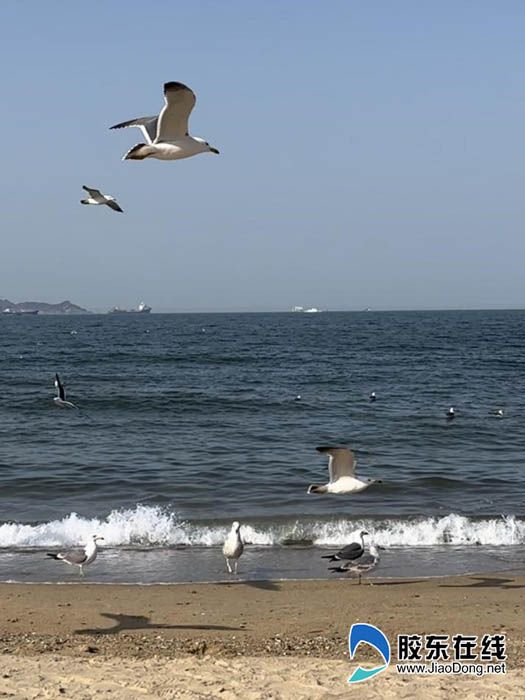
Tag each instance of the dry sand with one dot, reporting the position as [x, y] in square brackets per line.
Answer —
[245, 640]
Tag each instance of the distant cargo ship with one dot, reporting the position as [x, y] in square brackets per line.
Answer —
[22, 312]
[142, 308]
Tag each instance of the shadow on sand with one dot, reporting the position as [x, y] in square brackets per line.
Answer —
[141, 622]
[485, 582]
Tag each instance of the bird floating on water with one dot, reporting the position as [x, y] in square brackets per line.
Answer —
[373, 397]
[497, 413]
[60, 400]
[351, 551]
[166, 135]
[341, 467]
[79, 559]
[233, 546]
[96, 197]
[450, 414]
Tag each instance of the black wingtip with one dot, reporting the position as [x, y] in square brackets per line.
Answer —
[324, 448]
[173, 85]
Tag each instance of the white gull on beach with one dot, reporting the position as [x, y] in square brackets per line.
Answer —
[79, 559]
[60, 400]
[233, 546]
[166, 135]
[341, 467]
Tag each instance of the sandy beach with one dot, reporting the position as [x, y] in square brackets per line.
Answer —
[267, 639]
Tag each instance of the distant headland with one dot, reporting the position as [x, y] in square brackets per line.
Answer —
[40, 307]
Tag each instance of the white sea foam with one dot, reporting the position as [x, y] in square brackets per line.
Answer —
[155, 526]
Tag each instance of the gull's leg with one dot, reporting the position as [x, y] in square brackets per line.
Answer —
[236, 562]
[359, 579]
[81, 570]
[228, 565]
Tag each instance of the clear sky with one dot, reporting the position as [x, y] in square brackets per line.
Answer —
[372, 154]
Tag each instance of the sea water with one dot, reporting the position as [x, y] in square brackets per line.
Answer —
[187, 422]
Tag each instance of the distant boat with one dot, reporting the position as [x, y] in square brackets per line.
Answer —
[142, 308]
[21, 312]
[301, 309]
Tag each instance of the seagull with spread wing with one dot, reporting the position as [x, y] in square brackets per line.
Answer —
[341, 467]
[96, 197]
[60, 399]
[166, 135]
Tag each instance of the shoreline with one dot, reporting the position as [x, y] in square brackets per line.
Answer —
[255, 617]
[252, 639]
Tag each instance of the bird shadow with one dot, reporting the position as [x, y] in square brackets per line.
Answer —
[141, 622]
[486, 582]
[264, 585]
[394, 583]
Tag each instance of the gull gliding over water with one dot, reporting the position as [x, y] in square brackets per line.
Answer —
[341, 467]
[60, 400]
[96, 197]
[166, 135]
[79, 559]
[233, 546]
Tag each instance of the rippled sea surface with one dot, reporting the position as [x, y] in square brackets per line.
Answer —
[188, 422]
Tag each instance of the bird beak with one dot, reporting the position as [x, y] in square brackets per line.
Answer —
[214, 150]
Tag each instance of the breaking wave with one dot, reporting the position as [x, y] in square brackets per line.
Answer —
[159, 527]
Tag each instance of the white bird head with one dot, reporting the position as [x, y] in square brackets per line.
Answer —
[236, 526]
[206, 146]
[97, 537]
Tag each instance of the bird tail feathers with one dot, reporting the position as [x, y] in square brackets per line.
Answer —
[139, 152]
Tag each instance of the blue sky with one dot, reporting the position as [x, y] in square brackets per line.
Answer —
[371, 154]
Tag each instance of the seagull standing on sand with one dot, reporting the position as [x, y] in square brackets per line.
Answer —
[450, 414]
[96, 197]
[351, 551]
[341, 467]
[233, 546]
[60, 400]
[79, 559]
[366, 562]
[166, 135]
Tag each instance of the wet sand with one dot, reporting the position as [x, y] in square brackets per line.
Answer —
[256, 639]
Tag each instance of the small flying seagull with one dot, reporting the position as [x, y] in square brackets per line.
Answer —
[166, 135]
[450, 414]
[366, 562]
[351, 551]
[373, 397]
[79, 559]
[60, 400]
[341, 467]
[96, 197]
[233, 546]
